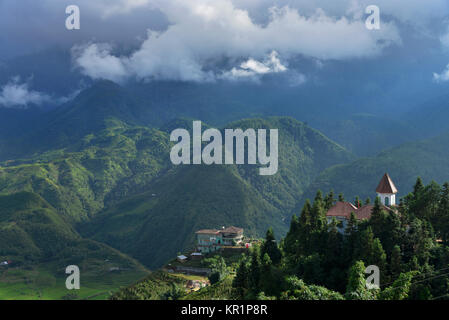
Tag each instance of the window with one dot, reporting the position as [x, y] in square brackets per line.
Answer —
[387, 201]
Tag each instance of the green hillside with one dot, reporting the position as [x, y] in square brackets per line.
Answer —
[426, 158]
[155, 225]
[40, 245]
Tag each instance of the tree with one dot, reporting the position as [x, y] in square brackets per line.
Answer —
[350, 239]
[367, 200]
[290, 243]
[356, 288]
[254, 271]
[218, 268]
[241, 279]
[395, 262]
[267, 282]
[329, 200]
[270, 247]
[341, 198]
[357, 202]
[418, 188]
[443, 213]
[400, 288]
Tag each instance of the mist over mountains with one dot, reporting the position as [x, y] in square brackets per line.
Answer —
[85, 120]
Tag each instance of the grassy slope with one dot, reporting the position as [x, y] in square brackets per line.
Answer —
[41, 244]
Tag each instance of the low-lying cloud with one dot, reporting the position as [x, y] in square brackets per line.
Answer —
[15, 94]
[203, 33]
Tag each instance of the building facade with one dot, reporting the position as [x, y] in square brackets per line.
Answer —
[211, 240]
[341, 210]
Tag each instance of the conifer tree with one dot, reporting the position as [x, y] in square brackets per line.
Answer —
[291, 240]
[395, 263]
[443, 213]
[266, 278]
[254, 271]
[329, 200]
[241, 279]
[357, 202]
[270, 247]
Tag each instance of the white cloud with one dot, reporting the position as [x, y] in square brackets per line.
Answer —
[15, 93]
[18, 94]
[443, 76]
[96, 62]
[204, 32]
[253, 69]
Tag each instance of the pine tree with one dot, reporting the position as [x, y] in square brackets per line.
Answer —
[378, 217]
[329, 200]
[443, 213]
[367, 200]
[350, 239]
[418, 188]
[241, 280]
[254, 271]
[379, 259]
[291, 240]
[270, 247]
[266, 279]
[357, 202]
[341, 198]
[395, 263]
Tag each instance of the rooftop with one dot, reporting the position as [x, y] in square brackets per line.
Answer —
[386, 185]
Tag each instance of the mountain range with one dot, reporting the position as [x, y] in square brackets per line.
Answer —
[93, 178]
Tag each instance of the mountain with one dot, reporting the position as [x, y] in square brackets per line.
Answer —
[39, 244]
[428, 158]
[155, 225]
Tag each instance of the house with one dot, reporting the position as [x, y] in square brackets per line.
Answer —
[341, 211]
[211, 240]
[181, 258]
[196, 255]
[232, 236]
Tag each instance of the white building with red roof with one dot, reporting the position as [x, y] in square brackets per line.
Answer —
[341, 210]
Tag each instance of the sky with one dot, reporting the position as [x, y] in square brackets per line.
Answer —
[220, 40]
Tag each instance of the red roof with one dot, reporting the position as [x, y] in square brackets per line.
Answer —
[208, 231]
[364, 212]
[386, 185]
[342, 209]
[232, 229]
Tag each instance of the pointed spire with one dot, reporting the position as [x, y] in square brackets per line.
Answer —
[386, 185]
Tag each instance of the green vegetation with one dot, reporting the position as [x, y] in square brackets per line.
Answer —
[318, 262]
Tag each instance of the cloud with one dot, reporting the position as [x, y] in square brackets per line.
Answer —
[96, 62]
[253, 69]
[15, 93]
[443, 76]
[203, 33]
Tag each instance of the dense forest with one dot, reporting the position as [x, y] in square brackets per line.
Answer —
[315, 261]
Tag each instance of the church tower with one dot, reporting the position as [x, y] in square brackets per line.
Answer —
[386, 191]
